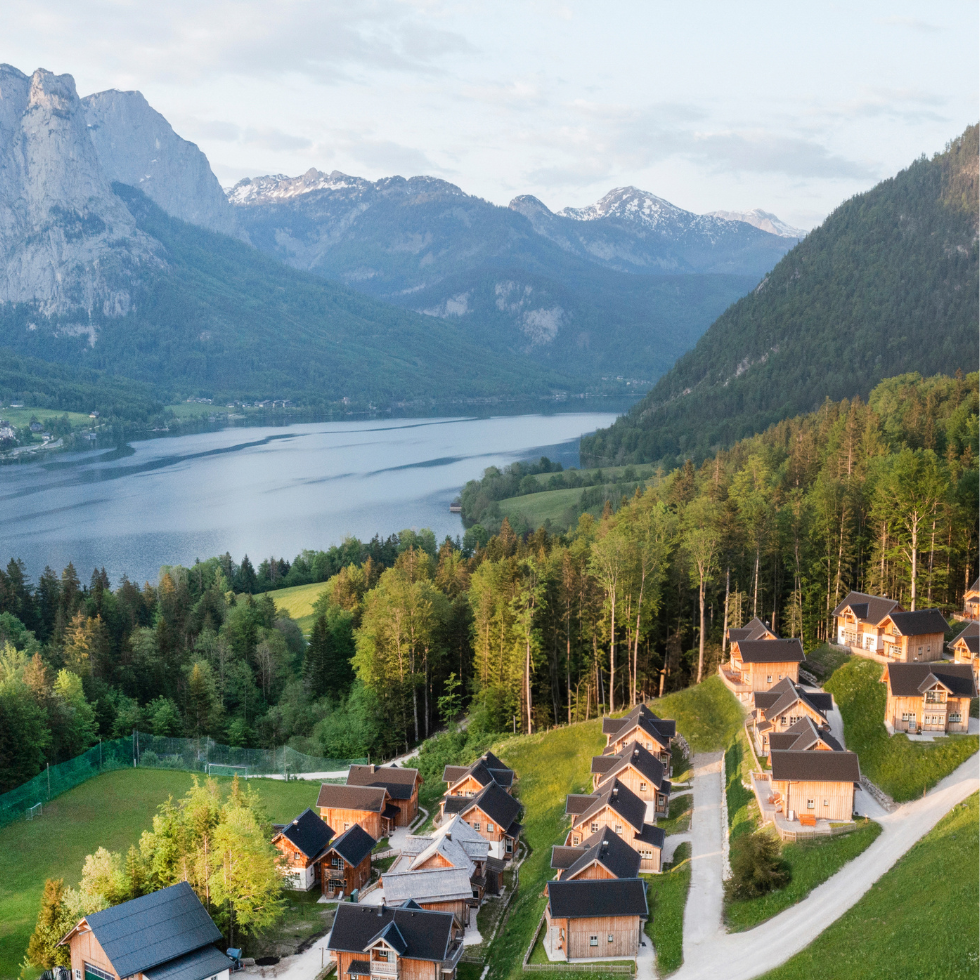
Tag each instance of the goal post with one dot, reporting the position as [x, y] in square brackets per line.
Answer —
[220, 769]
[34, 811]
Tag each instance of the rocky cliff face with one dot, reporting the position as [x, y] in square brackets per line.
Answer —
[67, 243]
[137, 146]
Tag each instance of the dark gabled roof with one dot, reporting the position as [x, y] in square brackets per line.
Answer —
[392, 935]
[620, 799]
[972, 643]
[912, 680]
[790, 693]
[514, 830]
[368, 798]
[592, 898]
[610, 850]
[390, 811]
[203, 962]
[781, 740]
[601, 764]
[496, 803]
[308, 833]
[154, 929]
[652, 835]
[399, 782]
[453, 774]
[354, 844]
[819, 767]
[359, 968]
[659, 728]
[975, 587]
[763, 700]
[564, 857]
[771, 651]
[488, 768]
[920, 622]
[576, 803]
[642, 760]
[803, 735]
[425, 935]
[755, 629]
[970, 630]
[868, 608]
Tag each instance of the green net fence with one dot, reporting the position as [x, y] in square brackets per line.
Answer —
[157, 752]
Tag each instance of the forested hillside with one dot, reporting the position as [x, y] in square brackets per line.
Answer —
[528, 629]
[887, 284]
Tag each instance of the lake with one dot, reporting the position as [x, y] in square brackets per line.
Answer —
[261, 490]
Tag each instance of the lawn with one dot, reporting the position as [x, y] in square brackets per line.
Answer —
[681, 766]
[666, 898]
[708, 715]
[679, 819]
[902, 929]
[811, 863]
[109, 811]
[823, 661]
[743, 811]
[539, 507]
[298, 601]
[903, 769]
[19, 417]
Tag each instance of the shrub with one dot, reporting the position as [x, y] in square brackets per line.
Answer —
[757, 867]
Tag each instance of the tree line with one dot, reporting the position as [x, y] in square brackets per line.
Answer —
[531, 629]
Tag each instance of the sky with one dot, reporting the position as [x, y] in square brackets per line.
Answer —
[788, 107]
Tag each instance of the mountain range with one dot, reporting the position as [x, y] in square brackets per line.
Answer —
[121, 252]
[888, 284]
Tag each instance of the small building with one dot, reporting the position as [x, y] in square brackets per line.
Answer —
[401, 783]
[591, 919]
[641, 771]
[965, 647]
[817, 785]
[642, 726]
[754, 629]
[445, 889]
[803, 736]
[758, 665]
[302, 844]
[493, 814]
[370, 806]
[405, 942]
[615, 806]
[346, 865]
[929, 697]
[971, 601]
[470, 780]
[781, 707]
[603, 855]
[913, 637]
[166, 935]
[858, 621]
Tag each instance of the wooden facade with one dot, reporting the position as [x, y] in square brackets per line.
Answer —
[340, 878]
[822, 800]
[910, 649]
[300, 871]
[588, 938]
[375, 823]
[617, 743]
[650, 856]
[468, 786]
[965, 652]
[86, 949]
[934, 711]
[641, 786]
[760, 676]
[971, 602]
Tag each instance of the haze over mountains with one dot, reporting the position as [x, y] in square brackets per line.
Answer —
[93, 271]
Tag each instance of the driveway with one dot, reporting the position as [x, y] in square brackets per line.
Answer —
[710, 954]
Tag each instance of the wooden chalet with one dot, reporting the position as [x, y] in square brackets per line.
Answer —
[810, 786]
[404, 942]
[638, 769]
[591, 919]
[603, 855]
[914, 637]
[758, 665]
[444, 889]
[971, 602]
[642, 726]
[370, 806]
[929, 697]
[492, 813]
[803, 736]
[965, 647]
[754, 629]
[401, 783]
[166, 935]
[302, 844]
[617, 807]
[859, 619]
[470, 780]
[346, 865]
[782, 706]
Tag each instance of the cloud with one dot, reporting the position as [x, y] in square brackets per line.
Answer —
[912, 23]
[907, 105]
[266, 138]
[387, 156]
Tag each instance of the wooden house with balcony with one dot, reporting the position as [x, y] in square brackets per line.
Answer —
[472, 779]
[166, 935]
[782, 706]
[754, 629]
[593, 919]
[346, 865]
[642, 726]
[301, 844]
[492, 813]
[803, 736]
[965, 647]
[617, 807]
[809, 786]
[638, 769]
[603, 855]
[859, 619]
[402, 785]
[913, 637]
[404, 942]
[929, 697]
[370, 806]
[759, 665]
[971, 602]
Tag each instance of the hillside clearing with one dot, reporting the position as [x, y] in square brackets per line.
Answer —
[297, 602]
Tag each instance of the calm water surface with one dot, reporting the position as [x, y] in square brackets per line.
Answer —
[264, 490]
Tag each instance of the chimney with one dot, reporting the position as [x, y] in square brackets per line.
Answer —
[615, 791]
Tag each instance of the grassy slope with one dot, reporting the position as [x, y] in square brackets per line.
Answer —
[110, 811]
[903, 769]
[666, 897]
[902, 929]
[298, 602]
[539, 507]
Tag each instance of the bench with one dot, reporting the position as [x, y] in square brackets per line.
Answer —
[808, 820]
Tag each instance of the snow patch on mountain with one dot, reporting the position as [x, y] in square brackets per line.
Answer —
[763, 220]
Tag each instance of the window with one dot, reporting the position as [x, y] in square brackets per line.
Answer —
[593, 940]
[476, 894]
[619, 828]
[826, 802]
[768, 678]
[476, 825]
[335, 861]
[955, 718]
[594, 826]
[810, 804]
[780, 676]
[346, 826]
[643, 787]
[489, 828]
[95, 973]
[575, 842]
[382, 954]
[646, 855]
[609, 938]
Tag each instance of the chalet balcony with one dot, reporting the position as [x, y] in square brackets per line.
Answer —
[455, 953]
[379, 968]
[734, 681]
